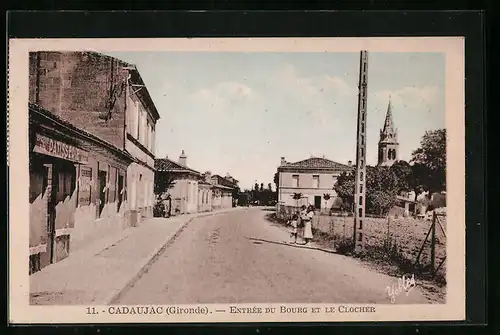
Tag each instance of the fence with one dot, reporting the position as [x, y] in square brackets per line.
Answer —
[418, 244]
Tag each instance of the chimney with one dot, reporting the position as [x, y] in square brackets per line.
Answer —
[183, 159]
[208, 176]
[283, 161]
[349, 163]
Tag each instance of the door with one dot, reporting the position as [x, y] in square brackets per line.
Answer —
[120, 192]
[317, 202]
[102, 191]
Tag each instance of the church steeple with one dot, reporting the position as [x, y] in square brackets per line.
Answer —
[388, 124]
[388, 143]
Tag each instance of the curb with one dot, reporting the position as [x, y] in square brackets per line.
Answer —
[150, 260]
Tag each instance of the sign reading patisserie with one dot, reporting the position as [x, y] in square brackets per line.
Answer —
[48, 146]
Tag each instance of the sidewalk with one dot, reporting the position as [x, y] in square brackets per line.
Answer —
[98, 273]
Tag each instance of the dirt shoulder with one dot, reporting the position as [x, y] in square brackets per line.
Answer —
[433, 288]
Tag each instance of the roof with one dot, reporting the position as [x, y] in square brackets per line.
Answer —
[317, 163]
[224, 179]
[165, 164]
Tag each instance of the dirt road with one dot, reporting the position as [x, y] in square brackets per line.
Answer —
[240, 257]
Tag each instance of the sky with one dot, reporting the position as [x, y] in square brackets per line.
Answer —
[239, 113]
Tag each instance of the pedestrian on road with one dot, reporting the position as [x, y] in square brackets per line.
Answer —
[294, 223]
[308, 236]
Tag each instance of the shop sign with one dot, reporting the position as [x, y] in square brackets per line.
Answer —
[48, 146]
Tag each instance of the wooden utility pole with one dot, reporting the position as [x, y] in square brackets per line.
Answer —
[360, 183]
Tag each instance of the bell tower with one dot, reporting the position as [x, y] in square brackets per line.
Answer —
[388, 144]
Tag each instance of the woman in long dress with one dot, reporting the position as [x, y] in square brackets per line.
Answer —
[308, 235]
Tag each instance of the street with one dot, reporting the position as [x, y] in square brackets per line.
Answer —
[240, 257]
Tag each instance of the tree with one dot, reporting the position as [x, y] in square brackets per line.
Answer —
[297, 197]
[270, 187]
[164, 181]
[261, 187]
[403, 175]
[255, 193]
[277, 180]
[235, 195]
[344, 186]
[379, 202]
[381, 189]
[430, 160]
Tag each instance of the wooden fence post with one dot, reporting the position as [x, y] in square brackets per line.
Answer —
[433, 242]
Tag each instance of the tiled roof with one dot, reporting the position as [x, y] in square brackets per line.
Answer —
[316, 163]
[165, 164]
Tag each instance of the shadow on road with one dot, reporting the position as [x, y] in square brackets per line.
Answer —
[259, 241]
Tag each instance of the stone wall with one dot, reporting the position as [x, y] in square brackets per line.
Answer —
[81, 88]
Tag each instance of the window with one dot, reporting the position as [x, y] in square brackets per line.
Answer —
[139, 121]
[315, 181]
[295, 179]
[152, 139]
[360, 188]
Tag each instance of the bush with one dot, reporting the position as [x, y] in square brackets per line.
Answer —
[159, 209]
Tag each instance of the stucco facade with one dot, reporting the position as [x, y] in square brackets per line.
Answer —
[141, 118]
[312, 178]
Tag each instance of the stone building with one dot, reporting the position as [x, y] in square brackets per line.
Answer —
[99, 96]
[388, 143]
[313, 178]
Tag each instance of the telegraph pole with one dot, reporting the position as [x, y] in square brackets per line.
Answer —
[360, 179]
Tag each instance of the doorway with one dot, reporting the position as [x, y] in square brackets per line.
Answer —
[120, 192]
[317, 202]
[102, 191]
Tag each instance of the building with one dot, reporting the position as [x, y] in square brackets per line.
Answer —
[90, 97]
[192, 191]
[388, 143]
[76, 187]
[205, 193]
[140, 125]
[184, 190]
[222, 191]
[107, 98]
[312, 178]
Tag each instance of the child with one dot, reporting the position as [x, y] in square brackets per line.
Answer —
[294, 224]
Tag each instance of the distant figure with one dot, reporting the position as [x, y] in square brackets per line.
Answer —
[294, 224]
[308, 236]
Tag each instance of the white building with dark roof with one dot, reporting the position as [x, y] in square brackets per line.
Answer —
[184, 192]
[312, 178]
[193, 191]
